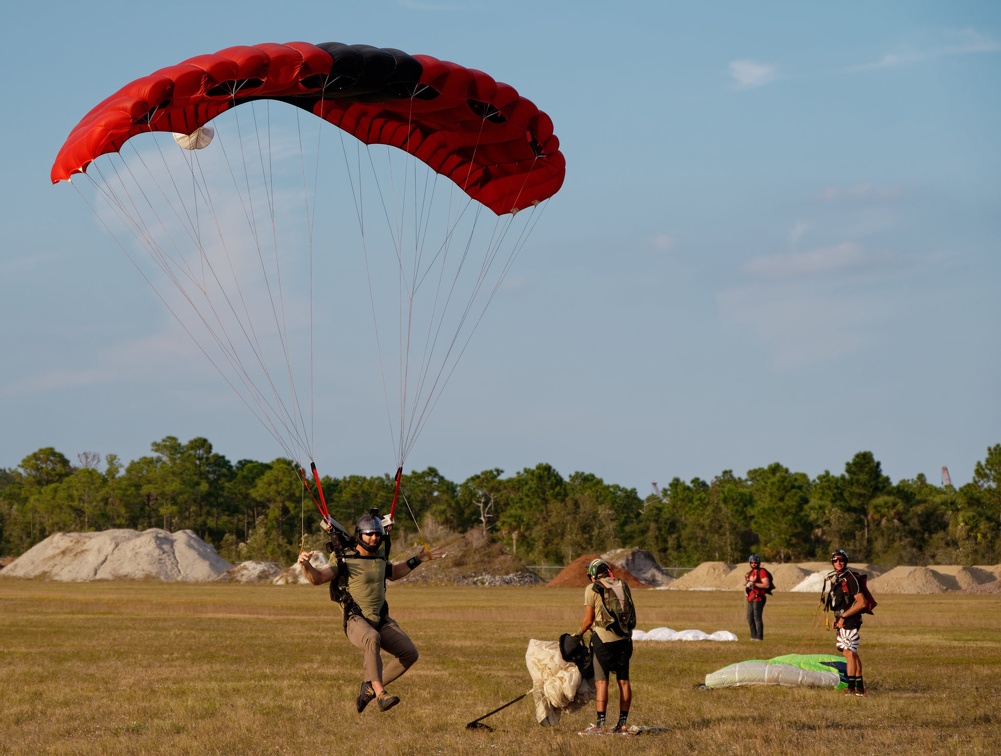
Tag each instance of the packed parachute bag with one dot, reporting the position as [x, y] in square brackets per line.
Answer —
[618, 602]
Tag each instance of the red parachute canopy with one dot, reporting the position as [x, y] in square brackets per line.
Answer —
[497, 147]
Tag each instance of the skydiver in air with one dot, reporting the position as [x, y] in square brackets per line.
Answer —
[358, 583]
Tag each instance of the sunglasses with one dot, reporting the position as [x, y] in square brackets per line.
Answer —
[837, 559]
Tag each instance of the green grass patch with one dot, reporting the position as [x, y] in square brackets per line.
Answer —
[149, 667]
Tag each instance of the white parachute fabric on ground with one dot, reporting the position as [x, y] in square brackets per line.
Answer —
[667, 634]
[557, 685]
[766, 673]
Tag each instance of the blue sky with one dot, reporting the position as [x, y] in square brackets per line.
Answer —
[779, 240]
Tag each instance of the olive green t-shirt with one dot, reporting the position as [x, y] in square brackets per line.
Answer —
[366, 582]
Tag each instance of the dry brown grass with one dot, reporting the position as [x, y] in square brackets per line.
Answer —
[232, 669]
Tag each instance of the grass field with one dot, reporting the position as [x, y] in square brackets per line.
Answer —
[144, 667]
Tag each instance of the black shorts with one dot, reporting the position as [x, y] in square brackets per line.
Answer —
[612, 657]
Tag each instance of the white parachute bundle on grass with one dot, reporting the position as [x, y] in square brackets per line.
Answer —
[557, 685]
[667, 634]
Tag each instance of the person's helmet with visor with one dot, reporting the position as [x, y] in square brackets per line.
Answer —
[369, 525]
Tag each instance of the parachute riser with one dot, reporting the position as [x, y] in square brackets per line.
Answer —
[396, 498]
[340, 538]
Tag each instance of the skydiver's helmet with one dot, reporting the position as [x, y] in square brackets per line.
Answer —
[754, 560]
[597, 568]
[367, 525]
[842, 554]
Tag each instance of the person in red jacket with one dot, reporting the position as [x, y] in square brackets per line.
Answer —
[757, 585]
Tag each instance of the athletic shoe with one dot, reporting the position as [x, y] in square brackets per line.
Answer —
[385, 701]
[619, 730]
[365, 696]
[594, 730]
[860, 692]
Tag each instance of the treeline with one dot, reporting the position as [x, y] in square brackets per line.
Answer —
[256, 510]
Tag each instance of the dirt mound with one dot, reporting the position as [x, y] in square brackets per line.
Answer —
[121, 554]
[251, 572]
[914, 580]
[574, 575]
[960, 578]
[710, 576]
[994, 586]
[470, 559]
[868, 569]
[787, 576]
[994, 569]
[640, 564]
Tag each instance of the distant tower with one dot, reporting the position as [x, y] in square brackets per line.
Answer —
[656, 489]
[946, 480]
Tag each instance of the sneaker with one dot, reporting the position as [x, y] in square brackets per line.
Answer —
[619, 730]
[594, 730]
[365, 696]
[385, 701]
[860, 692]
[849, 691]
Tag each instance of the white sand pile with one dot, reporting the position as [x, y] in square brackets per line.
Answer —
[295, 575]
[121, 554]
[251, 572]
[640, 564]
[914, 580]
[708, 576]
[812, 583]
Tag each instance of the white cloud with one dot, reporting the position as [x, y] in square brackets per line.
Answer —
[749, 74]
[862, 191]
[967, 41]
[946, 43]
[421, 6]
[797, 232]
[663, 242]
[799, 325]
[167, 354]
[840, 257]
